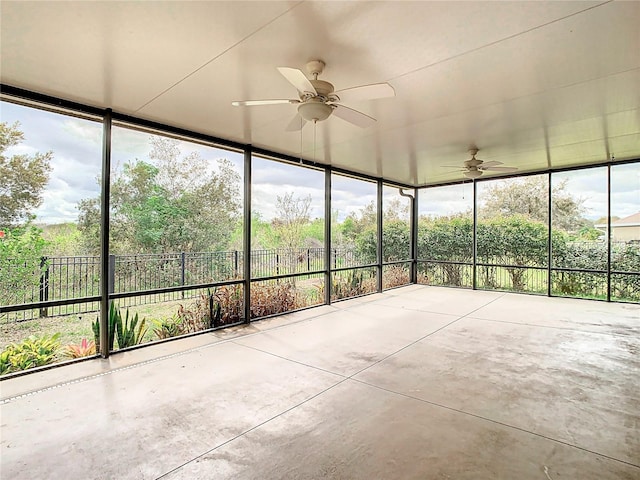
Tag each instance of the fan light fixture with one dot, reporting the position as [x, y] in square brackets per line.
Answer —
[473, 174]
[314, 111]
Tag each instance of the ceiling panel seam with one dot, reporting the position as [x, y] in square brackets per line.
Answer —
[490, 44]
[245, 38]
[521, 97]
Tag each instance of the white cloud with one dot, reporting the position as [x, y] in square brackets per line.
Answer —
[21, 149]
[83, 130]
[448, 200]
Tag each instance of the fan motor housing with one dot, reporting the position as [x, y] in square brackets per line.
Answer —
[473, 162]
[323, 88]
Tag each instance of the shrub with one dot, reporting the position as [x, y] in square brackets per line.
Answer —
[21, 262]
[84, 349]
[196, 316]
[230, 303]
[126, 332]
[168, 327]
[395, 276]
[5, 361]
[352, 283]
[223, 306]
[31, 352]
[272, 298]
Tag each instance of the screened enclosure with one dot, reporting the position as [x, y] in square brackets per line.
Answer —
[140, 233]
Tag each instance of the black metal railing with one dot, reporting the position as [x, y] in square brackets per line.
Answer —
[66, 278]
[445, 273]
[59, 279]
[569, 282]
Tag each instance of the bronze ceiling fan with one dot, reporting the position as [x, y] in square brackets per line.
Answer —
[474, 167]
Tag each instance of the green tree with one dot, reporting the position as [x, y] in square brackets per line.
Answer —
[170, 206]
[292, 215]
[63, 239]
[357, 222]
[21, 251]
[516, 241]
[313, 233]
[396, 209]
[396, 240]
[528, 196]
[263, 236]
[366, 245]
[626, 258]
[22, 178]
[448, 239]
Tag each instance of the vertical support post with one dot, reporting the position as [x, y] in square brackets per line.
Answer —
[475, 236]
[44, 285]
[105, 271]
[549, 242]
[379, 236]
[414, 236]
[609, 232]
[327, 236]
[413, 233]
[246, 241]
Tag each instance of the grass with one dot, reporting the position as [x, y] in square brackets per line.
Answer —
[73, 328]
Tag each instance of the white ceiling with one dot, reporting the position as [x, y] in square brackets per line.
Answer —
[535, 85]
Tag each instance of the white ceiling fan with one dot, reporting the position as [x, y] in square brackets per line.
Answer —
[474, 167]
[318, 99]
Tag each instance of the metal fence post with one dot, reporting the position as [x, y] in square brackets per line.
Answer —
[182, 262]
[112, 274]
[44, 285]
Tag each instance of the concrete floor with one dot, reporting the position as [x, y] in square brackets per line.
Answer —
[418, 382]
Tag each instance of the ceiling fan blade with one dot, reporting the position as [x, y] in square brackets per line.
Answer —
[492, 163]
[353, 116]
[366, 92]
[297, 79]
[498, 169]
[251, 103]
[296, 124]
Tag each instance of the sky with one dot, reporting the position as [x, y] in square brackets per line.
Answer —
[76, 166]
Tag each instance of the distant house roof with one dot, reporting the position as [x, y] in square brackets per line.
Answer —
[630, 221]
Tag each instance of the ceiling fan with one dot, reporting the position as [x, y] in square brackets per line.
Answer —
[318, 99]
[474, 167]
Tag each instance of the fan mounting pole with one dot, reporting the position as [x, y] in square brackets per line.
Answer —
[315, 68]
